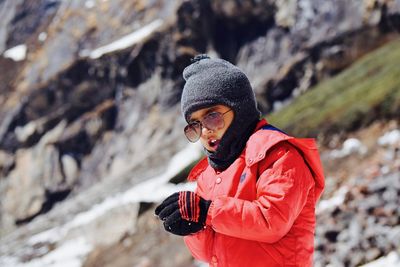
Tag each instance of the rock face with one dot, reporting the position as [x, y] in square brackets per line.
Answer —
[364, 225]
[312, 40]
[93, 107]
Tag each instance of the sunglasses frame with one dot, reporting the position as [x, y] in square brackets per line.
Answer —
[201, 122]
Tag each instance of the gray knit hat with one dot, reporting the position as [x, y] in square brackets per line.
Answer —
[211, 82]
[216, 81]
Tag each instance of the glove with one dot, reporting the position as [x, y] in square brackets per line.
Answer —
[182, 227]
[183, 212]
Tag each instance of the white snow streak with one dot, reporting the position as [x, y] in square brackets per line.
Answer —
[72, 253]
[17, 53]
[350, 146]
[391, 260]
[336, 200]
[126, 41]
[390, 138]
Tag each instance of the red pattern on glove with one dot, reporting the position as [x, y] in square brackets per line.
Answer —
[189, 206]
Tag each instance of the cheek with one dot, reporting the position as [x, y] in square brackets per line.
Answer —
[203, 142]
[222, 131]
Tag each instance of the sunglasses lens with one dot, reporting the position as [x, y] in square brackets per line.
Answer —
[192, 132]
[213, 121]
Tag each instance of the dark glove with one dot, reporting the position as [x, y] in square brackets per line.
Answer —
[182, 227]
[183, 212]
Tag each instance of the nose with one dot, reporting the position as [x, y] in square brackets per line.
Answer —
[205, 131]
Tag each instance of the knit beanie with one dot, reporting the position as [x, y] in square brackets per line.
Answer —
[211, 82]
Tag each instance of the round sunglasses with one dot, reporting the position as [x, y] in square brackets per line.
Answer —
[212, 121]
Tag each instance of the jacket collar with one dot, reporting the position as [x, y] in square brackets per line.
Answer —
[256, 148]
[262, 140]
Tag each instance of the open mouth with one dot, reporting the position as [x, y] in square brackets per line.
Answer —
[213, 143]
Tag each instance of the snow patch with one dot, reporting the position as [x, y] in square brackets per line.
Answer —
[350, 146]
[391, 260]
[79, 233]
[89, 4]
[390, 138]
[124, 42]
[17, 53]
[278, 105]
[70, 254]
[336, 200]
[42, 36]
[152, 190]
[24, 132]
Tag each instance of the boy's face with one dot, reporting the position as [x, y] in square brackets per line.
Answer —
[210, 138]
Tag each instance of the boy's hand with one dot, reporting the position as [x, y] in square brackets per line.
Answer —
[182, 227]
[183, 212]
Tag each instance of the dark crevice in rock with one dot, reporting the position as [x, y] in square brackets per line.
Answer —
[389, 22]
[7, 164]
[230, 35]
[80, 71]
[7, 78]
[143, 64]
[171, 95]
[144, 206]
[80, 143]
[332, 235]
[78, 90]
[77, 146]
[194, 24]
[51, 199]
[109, 118]
[62, 169]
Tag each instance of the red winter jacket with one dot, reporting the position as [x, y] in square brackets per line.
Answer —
[263, 205]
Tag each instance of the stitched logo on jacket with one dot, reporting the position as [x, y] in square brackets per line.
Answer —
[242, 177]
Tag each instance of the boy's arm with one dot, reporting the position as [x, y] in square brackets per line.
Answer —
[200, 244]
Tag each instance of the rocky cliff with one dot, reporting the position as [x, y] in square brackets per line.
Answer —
[89, 108]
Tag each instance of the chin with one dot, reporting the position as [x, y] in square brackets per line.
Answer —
[209, 149]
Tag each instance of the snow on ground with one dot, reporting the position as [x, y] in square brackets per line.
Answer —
[391, 260]
[152, 190]
[126, 41]
[42, 36]
[71, 253]
[336, 200]
[350, 146]
[90, 4]
[390, 138]
[17, 53]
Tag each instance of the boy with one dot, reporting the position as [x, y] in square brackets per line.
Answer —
[257, 188]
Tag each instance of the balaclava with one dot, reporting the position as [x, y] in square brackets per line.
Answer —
[211, 82]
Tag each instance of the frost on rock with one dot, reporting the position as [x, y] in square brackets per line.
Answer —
[124, 42]
[105, 222]
[350, 146]
[390, 138]
[391, 260]
[17, 53]
[336, 200]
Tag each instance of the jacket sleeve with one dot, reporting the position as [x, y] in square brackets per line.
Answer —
[200, 244]
[282, 190]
